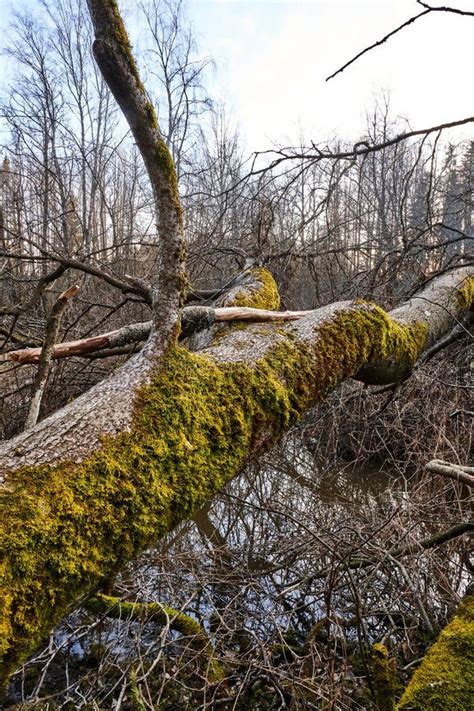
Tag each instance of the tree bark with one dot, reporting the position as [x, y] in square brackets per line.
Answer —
[457, 472]
[114, 57]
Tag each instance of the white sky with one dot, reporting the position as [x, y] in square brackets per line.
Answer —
[273, 56]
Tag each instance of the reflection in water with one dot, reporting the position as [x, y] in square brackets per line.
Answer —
[292, 576]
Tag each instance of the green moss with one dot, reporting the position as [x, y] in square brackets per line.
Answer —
[162, 614]
[465, 293]
[395, 351]
[386, 349]
[263, 296]
[445, 678]
[163, 158]
[121, 38]
[64, 528]
[384, 678]
[134, 692]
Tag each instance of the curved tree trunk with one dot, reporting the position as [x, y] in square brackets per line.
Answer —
[71, 517]
[77, 430]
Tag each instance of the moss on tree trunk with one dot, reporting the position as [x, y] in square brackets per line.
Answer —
[445, 679]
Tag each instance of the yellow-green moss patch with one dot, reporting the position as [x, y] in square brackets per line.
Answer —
[465, 293]
[264, 295]
[445, 678]
[394, 352]
[64, 528]
[384, 677]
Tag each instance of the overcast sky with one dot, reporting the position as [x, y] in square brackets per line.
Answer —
[272, 58]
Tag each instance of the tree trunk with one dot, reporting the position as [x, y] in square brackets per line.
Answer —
[114, 57]
[73, 514]
[45, 355]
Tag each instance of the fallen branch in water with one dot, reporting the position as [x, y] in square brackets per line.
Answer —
[457, 472]
[164, 615]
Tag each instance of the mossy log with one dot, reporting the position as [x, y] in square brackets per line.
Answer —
[73, 512]
[384, 677]
[445, 678]
[108, 606]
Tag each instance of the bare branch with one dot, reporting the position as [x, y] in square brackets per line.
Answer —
[428, 9]
[45, 357]
[457, 472]
[379, 42]
[36, 293]
[137, 332]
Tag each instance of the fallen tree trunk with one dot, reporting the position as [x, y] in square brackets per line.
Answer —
[71, 516]
[90, 487]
